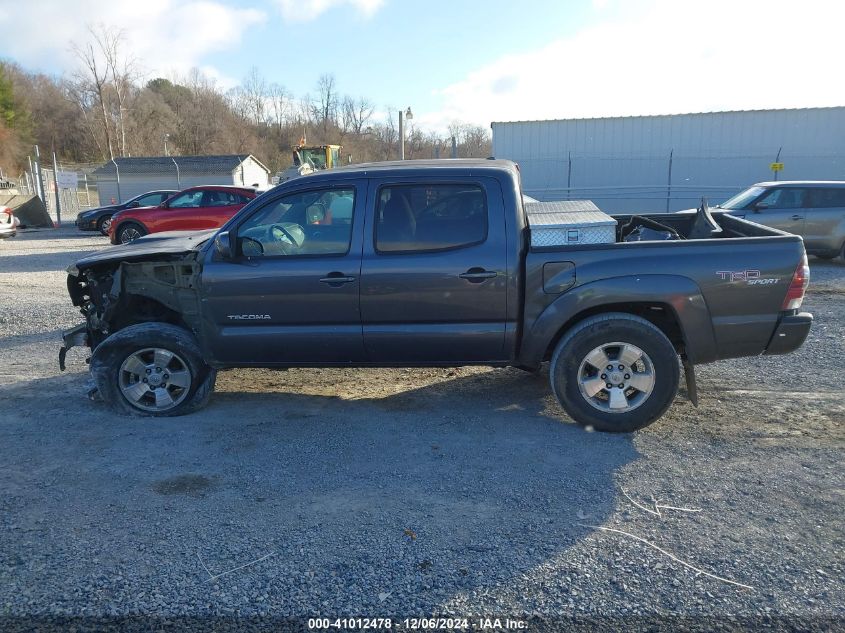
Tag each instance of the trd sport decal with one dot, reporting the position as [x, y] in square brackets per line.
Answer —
[751, 276]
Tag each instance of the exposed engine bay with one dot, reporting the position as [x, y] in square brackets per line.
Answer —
[114, 295]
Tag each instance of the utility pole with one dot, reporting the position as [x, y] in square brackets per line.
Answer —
[407, 115]
[401, 137]
[58, 192]
[39, 178]
[117, 177]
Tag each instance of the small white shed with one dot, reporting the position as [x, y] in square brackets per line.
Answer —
[125, 178]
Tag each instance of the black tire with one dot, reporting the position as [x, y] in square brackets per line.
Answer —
[103, 224]
[110, 358]
[570, 369]
[129, 232]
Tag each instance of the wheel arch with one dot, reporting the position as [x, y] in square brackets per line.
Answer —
[124, 222]
[108, 357]
[146, 292]
[674, 304]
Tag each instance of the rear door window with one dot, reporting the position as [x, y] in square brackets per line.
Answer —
[430, 217]
[827, 198]
[151, 200]
[220, 199]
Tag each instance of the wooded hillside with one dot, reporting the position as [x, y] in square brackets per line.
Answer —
[108, 108]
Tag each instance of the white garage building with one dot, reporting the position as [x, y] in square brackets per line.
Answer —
[666, 163]
[125, 178]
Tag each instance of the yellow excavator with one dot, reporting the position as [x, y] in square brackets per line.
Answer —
[310, 158]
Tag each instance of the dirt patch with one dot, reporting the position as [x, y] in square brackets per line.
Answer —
[190, 485]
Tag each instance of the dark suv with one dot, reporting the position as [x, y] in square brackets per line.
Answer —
[99, 219]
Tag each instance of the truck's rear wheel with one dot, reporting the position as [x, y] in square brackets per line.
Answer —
[152, 369]
[615, 372]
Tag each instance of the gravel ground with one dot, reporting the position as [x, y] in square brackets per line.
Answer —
[406, 493]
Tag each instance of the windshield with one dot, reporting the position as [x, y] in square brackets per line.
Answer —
[316, 157]
[742, 199]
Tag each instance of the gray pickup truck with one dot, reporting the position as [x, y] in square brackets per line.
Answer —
[432, 263]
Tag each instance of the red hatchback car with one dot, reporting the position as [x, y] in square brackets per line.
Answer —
[193, 209]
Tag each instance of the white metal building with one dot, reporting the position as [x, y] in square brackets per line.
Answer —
[126, 178]
[660, 163]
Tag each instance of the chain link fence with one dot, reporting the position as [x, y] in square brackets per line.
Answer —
[65, 191]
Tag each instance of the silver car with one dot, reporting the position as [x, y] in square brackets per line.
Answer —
[815, 210]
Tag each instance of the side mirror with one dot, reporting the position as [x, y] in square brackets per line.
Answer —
[134, 204]
[223, 244]
[759, 206]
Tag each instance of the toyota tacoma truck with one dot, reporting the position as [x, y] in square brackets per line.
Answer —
[438, 263]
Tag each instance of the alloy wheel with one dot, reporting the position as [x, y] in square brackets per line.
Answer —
[154, 379]
[616, 377]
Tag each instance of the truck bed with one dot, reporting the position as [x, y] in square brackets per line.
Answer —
[725, 290]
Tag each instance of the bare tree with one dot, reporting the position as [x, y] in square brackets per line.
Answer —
[123, 70]
[473, 140]
[414, 143]
[386, 134]
[476, 142]
[254, 90]
[355, 114]
[238, 102]
[92, 81]
[79, 95]
[326, 113]
[280, 103]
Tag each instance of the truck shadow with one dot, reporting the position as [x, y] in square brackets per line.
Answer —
[402, 503]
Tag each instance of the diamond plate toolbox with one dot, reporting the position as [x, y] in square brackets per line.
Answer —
[569, 222]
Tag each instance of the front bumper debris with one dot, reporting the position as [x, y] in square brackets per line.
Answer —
[75, 337]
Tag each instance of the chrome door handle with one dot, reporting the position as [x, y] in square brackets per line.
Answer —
[796, 217]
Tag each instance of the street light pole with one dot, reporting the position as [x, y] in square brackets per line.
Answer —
[407, 115]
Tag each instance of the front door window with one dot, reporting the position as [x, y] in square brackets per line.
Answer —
[783, 198]
[317, 222]
[187, 200]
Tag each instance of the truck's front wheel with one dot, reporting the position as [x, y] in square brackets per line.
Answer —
[615, 372]
[152, 369]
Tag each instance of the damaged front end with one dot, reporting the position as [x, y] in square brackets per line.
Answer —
[74, 337]
[114, 295]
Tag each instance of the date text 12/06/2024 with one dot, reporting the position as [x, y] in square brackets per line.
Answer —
[418, 624]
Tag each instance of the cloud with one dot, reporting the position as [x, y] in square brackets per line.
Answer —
[671, 57]
[166, 36]
[306, 10]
